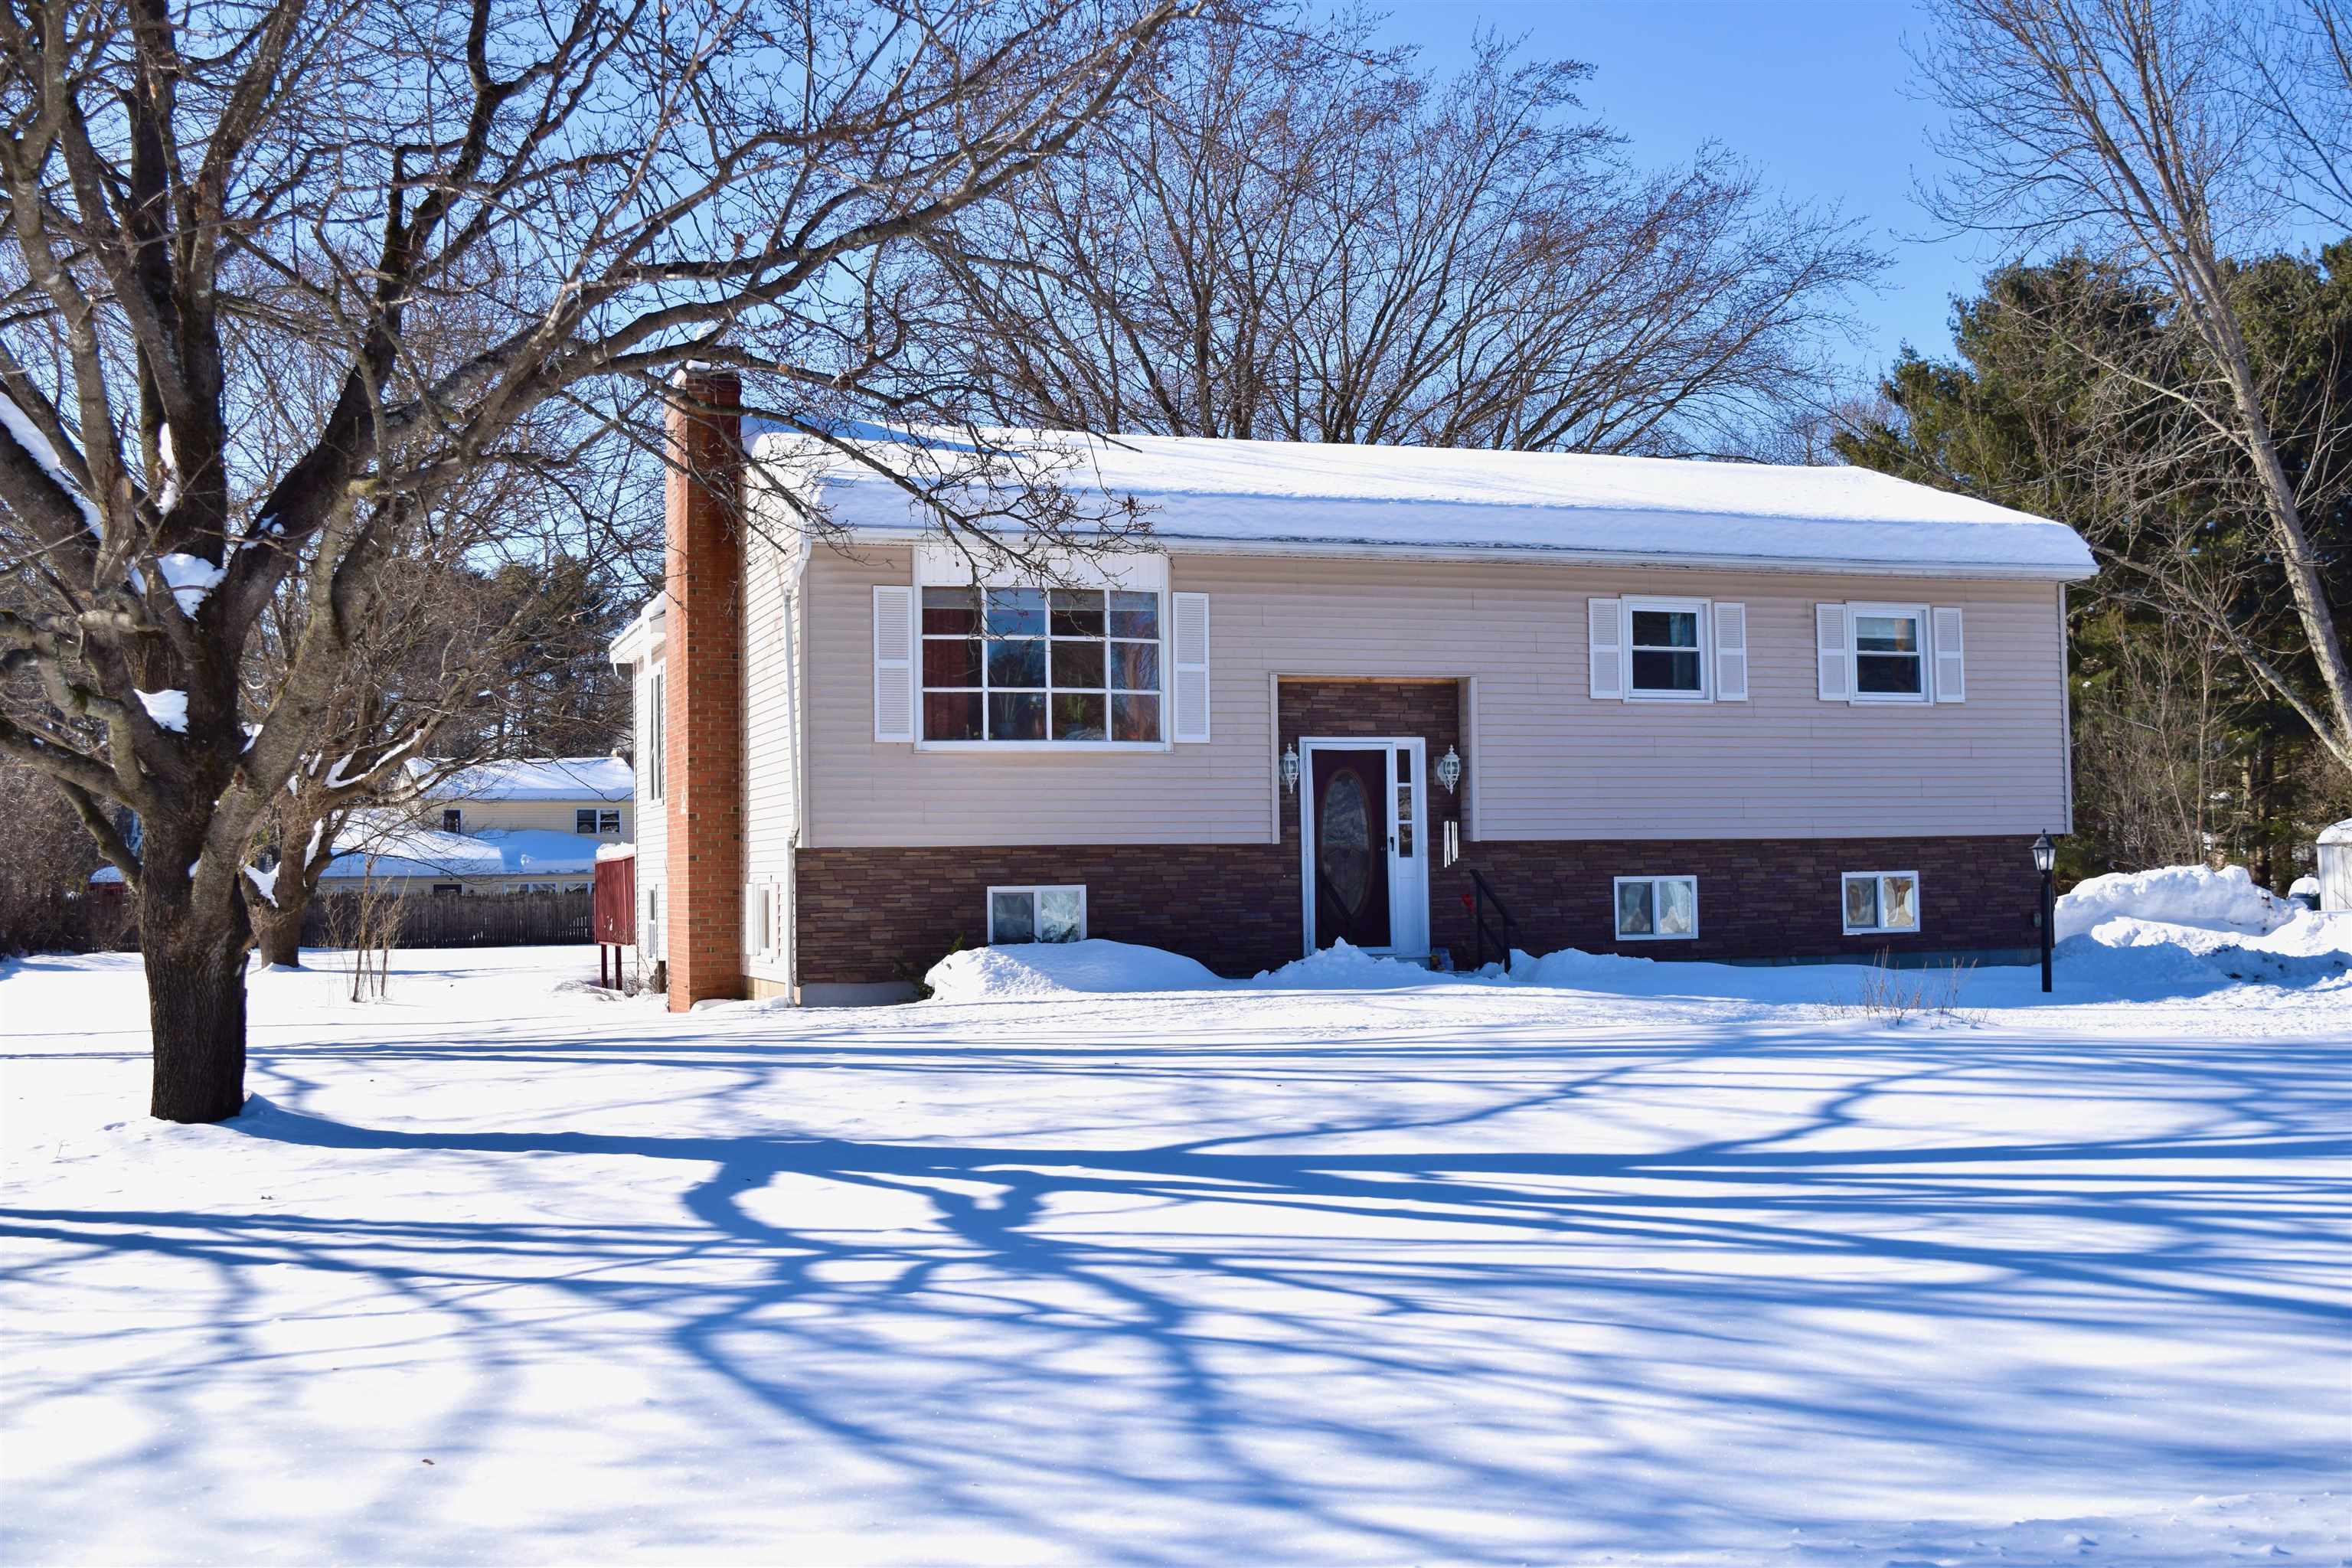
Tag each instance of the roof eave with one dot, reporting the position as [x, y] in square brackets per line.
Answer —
[1359, 550]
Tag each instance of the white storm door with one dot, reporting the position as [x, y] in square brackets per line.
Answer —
[1408, 850]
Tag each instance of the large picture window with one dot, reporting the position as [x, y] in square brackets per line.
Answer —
[1040, 664]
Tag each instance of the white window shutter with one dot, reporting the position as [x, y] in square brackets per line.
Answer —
[1605, 627]
[1190, 614]
[751, 913]
[894, 663]
[1952, 655]
[1835, 653]
[1730, 652]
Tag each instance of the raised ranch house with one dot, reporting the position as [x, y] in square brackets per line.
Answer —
[1371, 694]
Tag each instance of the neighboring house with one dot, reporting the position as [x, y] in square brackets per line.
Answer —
[1698, 710]
[532, 825]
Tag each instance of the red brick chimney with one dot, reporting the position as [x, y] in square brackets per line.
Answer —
[704, 704]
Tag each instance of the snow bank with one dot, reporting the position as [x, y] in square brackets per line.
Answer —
[1341, 967]
[615, 852]
[1063, 969]
[2195, 896]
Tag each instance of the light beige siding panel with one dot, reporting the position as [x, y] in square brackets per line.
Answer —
[652, 818]
[510, 816]
[1548, 761]
[770, 781]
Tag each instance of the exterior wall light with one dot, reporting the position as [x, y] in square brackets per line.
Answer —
[1290, 769]
[1449, 769]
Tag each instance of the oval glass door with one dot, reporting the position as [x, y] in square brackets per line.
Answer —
[1350, 836]
[1344, 847]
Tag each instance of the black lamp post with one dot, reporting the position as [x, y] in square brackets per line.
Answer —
[2045, 860]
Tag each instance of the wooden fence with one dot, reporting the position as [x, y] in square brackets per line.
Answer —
[447, 920]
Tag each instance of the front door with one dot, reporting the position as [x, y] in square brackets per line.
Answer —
[1352, 847]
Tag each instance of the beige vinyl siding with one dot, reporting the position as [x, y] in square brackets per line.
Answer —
[770, 786]
[650, 818]
[508, 815]
[1548, 761]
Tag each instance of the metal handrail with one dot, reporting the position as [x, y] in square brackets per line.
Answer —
[1483, 896]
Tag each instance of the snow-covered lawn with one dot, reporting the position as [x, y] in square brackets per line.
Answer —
[1701, 1267]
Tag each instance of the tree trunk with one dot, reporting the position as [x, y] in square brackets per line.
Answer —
[192, 935]
[278, 930]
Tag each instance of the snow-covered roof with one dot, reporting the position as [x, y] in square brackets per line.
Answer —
[1285, 497]
[413, 851]
[529, 778]
[2338, 832]
[428, 852]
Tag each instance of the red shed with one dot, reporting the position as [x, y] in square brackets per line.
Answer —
[612, 902]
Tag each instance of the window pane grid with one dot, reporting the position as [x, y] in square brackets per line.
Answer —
[1033, 663]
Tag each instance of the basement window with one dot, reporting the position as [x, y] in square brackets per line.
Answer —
[1880, 901]
[1036, 914]
[1657, 909]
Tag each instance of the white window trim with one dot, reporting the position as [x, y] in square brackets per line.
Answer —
[1855, 693]
[1882, 929]
[1690, 936]
[656, 738]
[1033, 889]
[1704, 609]
[1165, 642]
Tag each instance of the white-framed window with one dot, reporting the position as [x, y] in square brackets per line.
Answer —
[1036, 914]
[763, 919]
[453, 819]
[1656, 908]
[1031, 665]
[1666, 650]
[448, 889]
[657, 737]
[583, 819]
[1880, 902]
[608, 820]
[1890, 652]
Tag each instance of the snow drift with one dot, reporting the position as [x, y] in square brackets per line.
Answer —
[2174, 930]
[2195, 896]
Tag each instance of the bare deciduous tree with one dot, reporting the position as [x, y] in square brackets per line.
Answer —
[1291, 235]
[2139, 127]
[591, 193]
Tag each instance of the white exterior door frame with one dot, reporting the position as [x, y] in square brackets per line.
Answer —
[1407, 843]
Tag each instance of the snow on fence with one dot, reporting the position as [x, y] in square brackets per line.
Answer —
[492, 919]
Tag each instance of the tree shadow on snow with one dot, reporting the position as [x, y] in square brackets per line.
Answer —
[1354, 1325]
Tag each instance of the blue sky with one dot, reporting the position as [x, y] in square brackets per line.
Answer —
[1814, 92]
